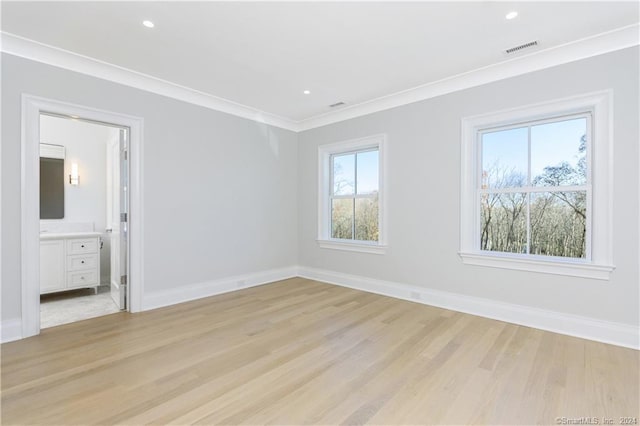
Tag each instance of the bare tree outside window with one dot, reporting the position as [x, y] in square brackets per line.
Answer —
[354, 196]
[533, 190]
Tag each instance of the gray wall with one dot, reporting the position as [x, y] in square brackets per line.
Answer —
[219, 191]
[424, 193]
[226, 196]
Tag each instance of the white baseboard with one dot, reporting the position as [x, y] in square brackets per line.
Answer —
[557, 322]
[11, 330]
[158, 299]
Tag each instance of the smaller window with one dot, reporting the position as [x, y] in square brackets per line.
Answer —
[350, 195]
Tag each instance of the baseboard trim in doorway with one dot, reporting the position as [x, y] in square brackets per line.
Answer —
[558, 322]
[11, 330]
[186, 293]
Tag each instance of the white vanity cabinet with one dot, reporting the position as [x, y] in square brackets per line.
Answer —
[69, 261]
[52, 265]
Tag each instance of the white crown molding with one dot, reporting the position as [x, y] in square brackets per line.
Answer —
[40, 52]
[599, 44]
[614, 333]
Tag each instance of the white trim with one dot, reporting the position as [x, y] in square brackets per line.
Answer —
[324, 187]
[11, 330]
[40, 52]
[598, 44]
[30, 225]
[533, 189]
[361, 247]
[573, 269]
[30, 219]
[614, 333]
[601, 161]
[180, 294]
[48, 150]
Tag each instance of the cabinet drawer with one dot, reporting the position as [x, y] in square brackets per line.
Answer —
[80, 262]
[82, 279]
[82, 245]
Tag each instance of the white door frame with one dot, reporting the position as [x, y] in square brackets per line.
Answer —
[32, 106]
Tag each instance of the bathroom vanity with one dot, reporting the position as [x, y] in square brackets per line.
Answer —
[69, 261]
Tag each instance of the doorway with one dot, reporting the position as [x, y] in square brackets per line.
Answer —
[83, 213]
[77, 254]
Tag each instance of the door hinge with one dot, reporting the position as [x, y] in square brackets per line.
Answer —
[123, 280]
[126, 155]
[123, 217]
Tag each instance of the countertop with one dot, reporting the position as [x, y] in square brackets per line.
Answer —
[61, 235]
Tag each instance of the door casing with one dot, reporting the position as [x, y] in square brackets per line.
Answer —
[32, 107]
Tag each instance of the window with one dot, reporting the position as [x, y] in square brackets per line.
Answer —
[350, 195]
[535, 191]
[532, 188]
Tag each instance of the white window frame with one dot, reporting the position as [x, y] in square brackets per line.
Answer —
[598, 263]
[325, 153]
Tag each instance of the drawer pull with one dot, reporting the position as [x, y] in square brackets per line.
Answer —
[82, 246]
[82, 261]
[82, 278]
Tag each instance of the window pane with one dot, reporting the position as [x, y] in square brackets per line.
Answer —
[505, 158]
[344, 174]
[558, 224]
[342, 218]
[367, 181]
[367, 219]
[559, 153]
[503, 223]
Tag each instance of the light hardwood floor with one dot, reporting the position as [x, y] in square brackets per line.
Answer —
[304, 352]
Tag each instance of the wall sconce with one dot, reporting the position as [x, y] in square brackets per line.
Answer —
[74, 179]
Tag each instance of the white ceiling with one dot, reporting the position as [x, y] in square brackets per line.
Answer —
[263, 55]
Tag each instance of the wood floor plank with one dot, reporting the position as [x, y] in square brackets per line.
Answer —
[303, 352]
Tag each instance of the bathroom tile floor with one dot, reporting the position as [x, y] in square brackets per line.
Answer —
[76, 305]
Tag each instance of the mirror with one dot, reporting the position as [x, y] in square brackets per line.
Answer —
[51, 181]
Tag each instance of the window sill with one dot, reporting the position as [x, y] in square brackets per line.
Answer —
[348, 246]
[573, 269]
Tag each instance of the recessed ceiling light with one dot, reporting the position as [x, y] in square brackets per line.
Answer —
[511, 15]
[148, 24]
[306, 92]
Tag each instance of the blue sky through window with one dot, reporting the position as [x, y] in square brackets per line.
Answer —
[551, 144]
[367, 172]
[344, 173]
[344, 168]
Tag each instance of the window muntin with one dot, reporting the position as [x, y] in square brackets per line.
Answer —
[534, 188]
[354, 195]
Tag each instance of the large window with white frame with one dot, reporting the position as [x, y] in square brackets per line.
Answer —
[535, 188]
[350, 195]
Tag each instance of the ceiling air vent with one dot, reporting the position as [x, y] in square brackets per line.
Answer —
[521, 47]
[337, 104]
